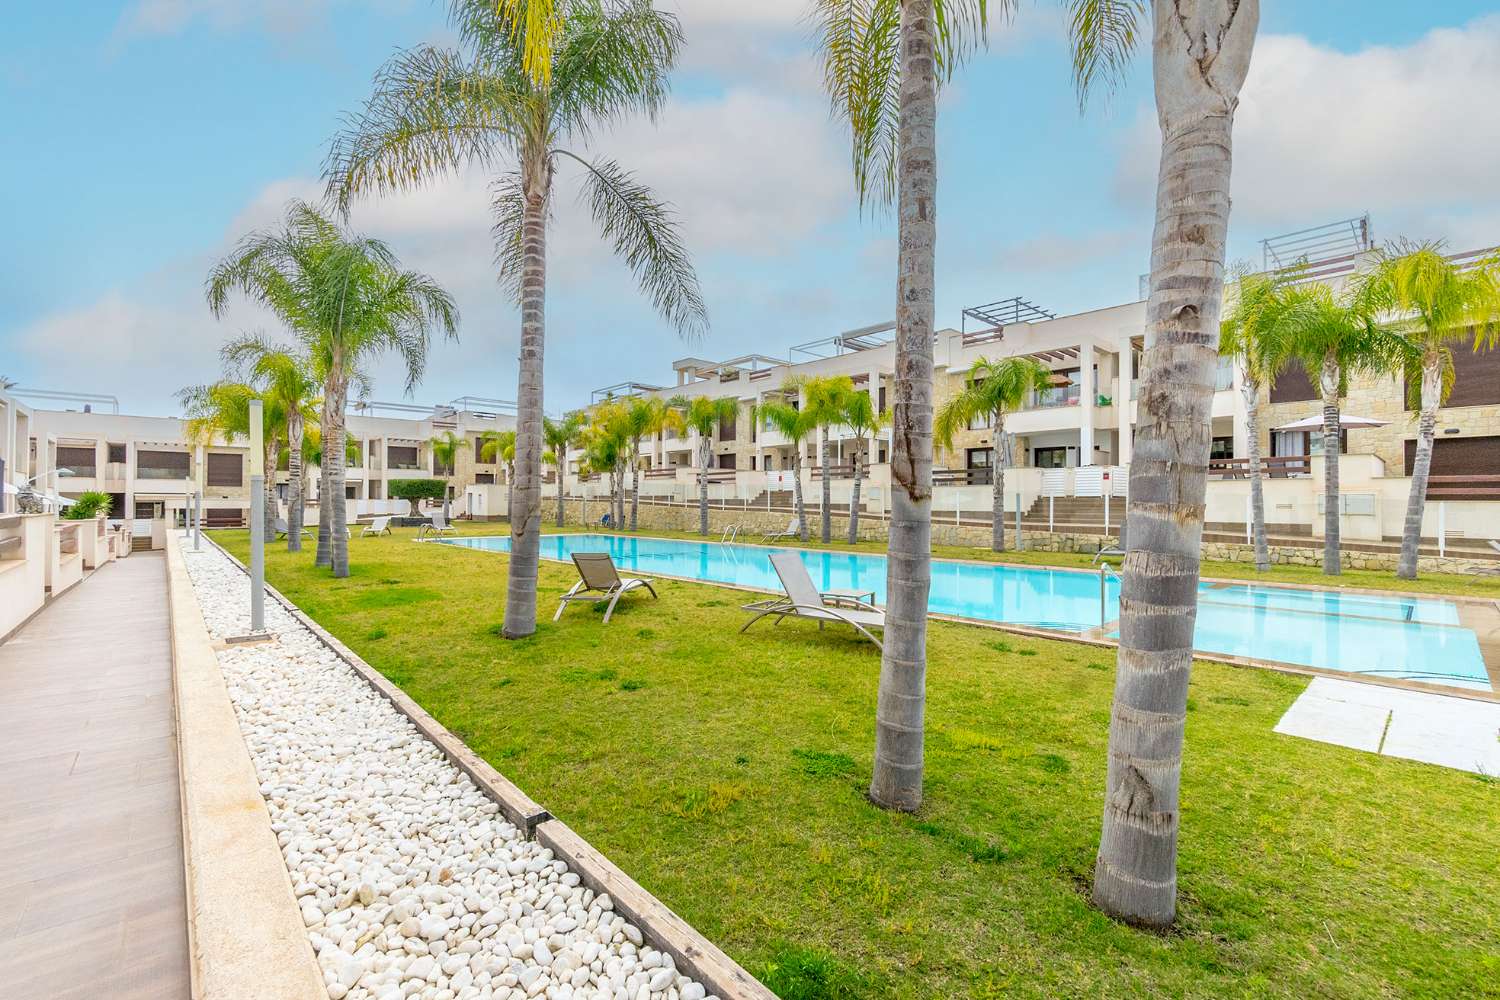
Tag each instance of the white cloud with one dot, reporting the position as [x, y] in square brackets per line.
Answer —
[1411, 133]
[1054, 252]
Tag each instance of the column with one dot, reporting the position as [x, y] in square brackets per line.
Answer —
[1087, 393]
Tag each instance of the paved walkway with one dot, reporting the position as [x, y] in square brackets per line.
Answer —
[90, 825]
[1435, 728]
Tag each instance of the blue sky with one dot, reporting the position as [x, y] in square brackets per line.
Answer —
[145, 136]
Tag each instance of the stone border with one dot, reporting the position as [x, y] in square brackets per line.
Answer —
[695, 956]
[246, 937]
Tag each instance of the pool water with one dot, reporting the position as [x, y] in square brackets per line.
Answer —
[1407, 637]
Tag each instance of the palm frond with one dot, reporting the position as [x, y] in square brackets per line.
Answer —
[508, 208]
[1104, 35]
[644, 232]
[535, 27]
[612, 61]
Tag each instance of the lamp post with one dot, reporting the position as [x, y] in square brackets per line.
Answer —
[257, 519]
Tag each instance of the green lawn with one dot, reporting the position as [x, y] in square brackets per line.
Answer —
[726, 773]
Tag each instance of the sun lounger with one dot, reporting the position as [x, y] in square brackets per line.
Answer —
[599, 581]
[379, 526]
[803, 600]
[791, 531]
[437, 526]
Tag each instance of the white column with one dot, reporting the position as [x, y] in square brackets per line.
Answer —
[1086, 396]
[1126, 402]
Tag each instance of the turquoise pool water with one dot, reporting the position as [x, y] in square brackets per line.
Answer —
[1413, 638]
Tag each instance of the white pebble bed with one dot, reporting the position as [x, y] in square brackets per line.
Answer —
[410, 882]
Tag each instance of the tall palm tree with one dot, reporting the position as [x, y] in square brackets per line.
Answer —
[347, 299]
[521, 87]
[1253, 335]
[794, 425]
[1335, 337]
[500, 446]
[1432, 303]
[864, 422]
[559, 435]
[285, 376]
[882, 62]
[222, 409]
[994, 389]
[823, 401]
[1200, 55]
[703, 416]
[644, 417]
[445, 459]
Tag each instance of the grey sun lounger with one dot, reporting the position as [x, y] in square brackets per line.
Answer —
[803, 600]
[598, 580]
[282, 528]
[437, 526]
[791, 531]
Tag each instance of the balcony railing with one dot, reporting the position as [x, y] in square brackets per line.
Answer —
[961, 477]
[159, 472]
[1067, 395]
[1273, 467]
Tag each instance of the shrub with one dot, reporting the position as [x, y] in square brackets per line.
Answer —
[417, 489]
[88, 506]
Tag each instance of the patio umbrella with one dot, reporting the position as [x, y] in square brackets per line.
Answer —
[1347, 421]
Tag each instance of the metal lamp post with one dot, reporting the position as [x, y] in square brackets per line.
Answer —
[257, 519]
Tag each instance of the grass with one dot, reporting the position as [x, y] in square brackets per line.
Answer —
[726, 773]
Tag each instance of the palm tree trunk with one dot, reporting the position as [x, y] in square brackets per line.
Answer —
[635, 484]
[997, 487]
[1416, 503]
[1201, 54]
[526, 494]
[294, 482]
[827, 492]
[1257, 483]
[798, 505]
[703, 484]
[324, 555]
[333, 454]
[268, 511]
[1329, 380]
[896, 781]
[859, 474]
[561, 504]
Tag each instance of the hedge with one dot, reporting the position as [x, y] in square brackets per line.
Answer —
[417, 489]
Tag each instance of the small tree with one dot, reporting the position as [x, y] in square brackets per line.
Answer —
[1431, 303]
[286, 376]
[994, 389]
[445, 459]
[87, 506]
[794, 425]
[824, 401]
[500, 446]
[416, 490]
[864, 422]
[559, 436]
[644, 417]
[223, 409]
[702, 415]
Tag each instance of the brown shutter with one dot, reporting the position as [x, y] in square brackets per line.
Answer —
[226, 470]
[1293, 385]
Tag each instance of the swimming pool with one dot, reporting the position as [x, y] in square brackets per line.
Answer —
[1407, 637]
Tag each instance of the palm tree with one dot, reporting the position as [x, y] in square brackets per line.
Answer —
[1432, 303]
[882, 60]
[521, 87]
[445, 459]
[559, 435]
[500, 446]
[864, 423]
[222, 409]
[823, 401]
[1336, 338]
[794, 425]
[284, 376]
[1200, 55]
[644, 417]
[1252, 334]
[994, 389]
[346, 298]
[702, 415]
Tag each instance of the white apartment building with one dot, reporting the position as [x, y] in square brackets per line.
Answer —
[149, 465]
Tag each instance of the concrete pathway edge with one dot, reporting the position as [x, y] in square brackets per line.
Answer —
[696, 956]
[246, 938]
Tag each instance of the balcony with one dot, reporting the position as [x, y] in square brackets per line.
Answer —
[1047, 399]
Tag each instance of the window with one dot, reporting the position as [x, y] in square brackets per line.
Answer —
[161, 465]
[1293, 385]
[225, 470]
[484, 478]
[727, 461]
[76, 461]
[977, 458]
[1050, 458]
[1222, 447]
[116, 453]
[401, 457]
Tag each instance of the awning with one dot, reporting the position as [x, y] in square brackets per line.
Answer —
[1347, 421]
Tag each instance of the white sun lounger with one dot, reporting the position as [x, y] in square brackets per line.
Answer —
[791, 531]
[599, 581]
[803, 600]
[379, 526]
[437, 526]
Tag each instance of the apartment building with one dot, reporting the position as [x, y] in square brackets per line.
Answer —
[149, 465]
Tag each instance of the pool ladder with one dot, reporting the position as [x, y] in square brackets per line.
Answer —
[1105, 571]
[730, 533]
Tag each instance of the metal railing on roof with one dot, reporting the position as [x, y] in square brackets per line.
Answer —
[621, 390]
[863, 338]
[1345, 238]
[88, 399]
[995, 316]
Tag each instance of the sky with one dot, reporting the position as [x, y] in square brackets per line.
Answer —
[144, 137]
